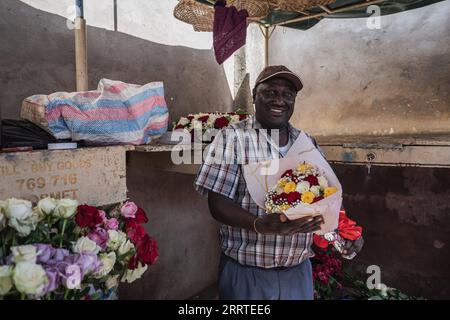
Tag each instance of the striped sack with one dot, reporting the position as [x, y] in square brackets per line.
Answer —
[115, 113]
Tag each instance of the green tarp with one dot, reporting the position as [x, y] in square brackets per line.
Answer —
[386, 7]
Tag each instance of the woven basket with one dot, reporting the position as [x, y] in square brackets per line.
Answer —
[297, 5]
[255, 8]
[199, 15]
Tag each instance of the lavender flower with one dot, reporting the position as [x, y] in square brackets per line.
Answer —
[44, 252]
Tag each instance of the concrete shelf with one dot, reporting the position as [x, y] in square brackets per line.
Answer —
[431, 150]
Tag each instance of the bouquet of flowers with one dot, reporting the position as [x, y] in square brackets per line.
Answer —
[302, 186]
[304, 191]
[61, 250]
[205, 121]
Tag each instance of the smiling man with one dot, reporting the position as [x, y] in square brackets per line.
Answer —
[263, 256]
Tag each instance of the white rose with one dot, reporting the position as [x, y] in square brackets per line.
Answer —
[5, 279]
[212, 118]
[125, 247]
[27, 253]
[315, 190]
[323, 182]
[18, 209]
[108, 261]
[29, 278]
[116, 238]
[132, 275]
[84, 244]
[21, 216]
[303, 186]
[46, 205]
[235, 118]
[183, 121]
[65, 208]
[112, 282]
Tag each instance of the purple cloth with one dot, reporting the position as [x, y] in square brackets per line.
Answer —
[230, 30]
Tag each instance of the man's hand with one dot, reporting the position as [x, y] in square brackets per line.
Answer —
[272, 224]
[353, 246]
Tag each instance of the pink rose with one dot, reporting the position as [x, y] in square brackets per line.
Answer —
[129, 210]
[112, 224]
[102, 215]
[99, 236]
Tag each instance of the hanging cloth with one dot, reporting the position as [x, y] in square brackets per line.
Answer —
[230, 30]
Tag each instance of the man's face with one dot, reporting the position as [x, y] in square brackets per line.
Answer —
[274, 103]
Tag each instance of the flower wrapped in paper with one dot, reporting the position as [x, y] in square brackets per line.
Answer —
[300, 184]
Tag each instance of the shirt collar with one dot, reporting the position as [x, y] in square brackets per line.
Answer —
[255, 124]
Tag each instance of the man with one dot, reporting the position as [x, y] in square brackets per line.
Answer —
[263, 256]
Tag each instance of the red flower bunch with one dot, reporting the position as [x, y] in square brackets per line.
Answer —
[146, 246]
[88, 216]
[326, 267]
[347, 229]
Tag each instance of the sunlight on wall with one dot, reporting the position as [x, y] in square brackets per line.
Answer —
[147, 19]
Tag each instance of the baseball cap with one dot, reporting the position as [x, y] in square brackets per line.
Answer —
[270, 72]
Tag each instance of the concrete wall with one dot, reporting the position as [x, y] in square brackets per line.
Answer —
[37, 57]
[187, 235]
[405, 213]
[361, 81]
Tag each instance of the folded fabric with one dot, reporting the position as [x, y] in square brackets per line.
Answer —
[230, 30]
[115, 113]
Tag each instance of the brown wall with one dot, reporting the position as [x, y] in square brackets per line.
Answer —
[405, 213]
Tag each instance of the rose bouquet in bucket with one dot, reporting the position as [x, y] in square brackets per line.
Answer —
[58, 249]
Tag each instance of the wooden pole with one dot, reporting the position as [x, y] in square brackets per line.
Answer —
[266, 46]
[81, 64]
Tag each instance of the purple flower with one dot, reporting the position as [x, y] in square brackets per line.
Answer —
[87, 261]
[53, 280]
[44, 252]
[60, 254]
[99, 236]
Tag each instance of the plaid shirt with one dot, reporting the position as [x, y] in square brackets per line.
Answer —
[226, 178]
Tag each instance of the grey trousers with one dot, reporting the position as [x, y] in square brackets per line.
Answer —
[240, 282]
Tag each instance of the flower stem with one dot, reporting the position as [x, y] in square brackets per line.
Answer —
[22, 296]
[66, 294]
[62, 232]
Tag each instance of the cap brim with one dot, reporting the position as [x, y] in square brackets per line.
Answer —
[290, 76]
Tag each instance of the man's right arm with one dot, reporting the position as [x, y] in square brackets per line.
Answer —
[227, 212]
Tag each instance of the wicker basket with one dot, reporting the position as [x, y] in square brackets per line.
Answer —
[199, 15]
[256, 8]
[297, 5]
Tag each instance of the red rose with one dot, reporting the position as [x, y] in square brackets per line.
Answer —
[190, 118]
[312, 180]
[317, 199]
[133, 263]
[140, 218]
[87, 216]
[242, 116]
[136, 234]
[278, 199]
[320, 241]
[221, 122]
[203, 119]
[294, 196]
[147, 250]
[180, 126]
[287, 173]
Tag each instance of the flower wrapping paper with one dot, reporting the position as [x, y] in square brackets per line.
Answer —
[261, 176]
